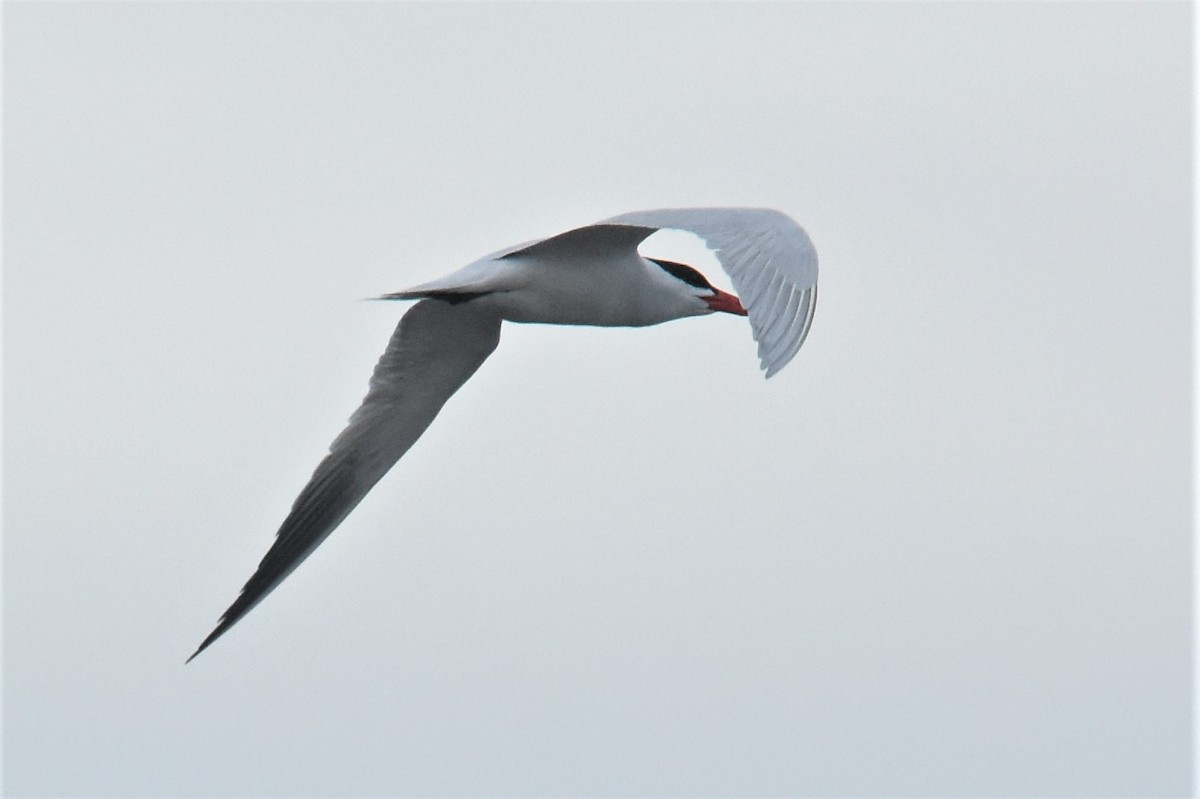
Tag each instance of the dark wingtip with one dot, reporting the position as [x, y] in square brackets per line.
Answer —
[214, 635]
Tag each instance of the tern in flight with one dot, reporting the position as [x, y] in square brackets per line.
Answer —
[591, 275]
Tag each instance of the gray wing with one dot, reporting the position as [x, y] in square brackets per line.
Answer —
[435, 349]
[596, 240]
[770, 260]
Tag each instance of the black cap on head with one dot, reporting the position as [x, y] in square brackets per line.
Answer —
[685, 273]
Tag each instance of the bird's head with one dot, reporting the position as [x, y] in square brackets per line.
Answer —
[698, 286]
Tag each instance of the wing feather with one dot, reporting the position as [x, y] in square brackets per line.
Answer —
[789, 302]
[799, 327]
[590, 240]
[756, 247]
[436, 347]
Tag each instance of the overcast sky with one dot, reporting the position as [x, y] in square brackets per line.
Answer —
[945, 552]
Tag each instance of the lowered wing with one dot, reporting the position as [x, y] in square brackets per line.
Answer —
[435, 349]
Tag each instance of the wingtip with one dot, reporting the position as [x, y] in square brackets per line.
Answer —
[199, 649]
[217, 632]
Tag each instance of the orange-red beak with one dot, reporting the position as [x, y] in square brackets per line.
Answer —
[728, 303]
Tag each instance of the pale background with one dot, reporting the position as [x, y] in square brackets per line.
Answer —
[945, 552]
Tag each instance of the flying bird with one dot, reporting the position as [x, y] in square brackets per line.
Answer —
[591, 275]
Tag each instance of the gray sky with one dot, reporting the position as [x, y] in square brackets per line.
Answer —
[945, 552]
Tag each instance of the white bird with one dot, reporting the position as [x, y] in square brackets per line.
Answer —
[591, 275]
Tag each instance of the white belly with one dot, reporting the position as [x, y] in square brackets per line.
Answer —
[600, 294]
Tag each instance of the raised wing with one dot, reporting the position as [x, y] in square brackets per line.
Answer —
[770, 260]
[435, 349]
